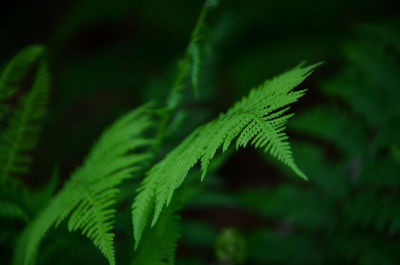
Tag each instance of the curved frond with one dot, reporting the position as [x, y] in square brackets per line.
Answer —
[257, 119]
[17, 69]
[89, 196]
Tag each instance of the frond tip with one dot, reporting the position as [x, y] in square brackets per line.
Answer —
[17, 69]
[257, 119]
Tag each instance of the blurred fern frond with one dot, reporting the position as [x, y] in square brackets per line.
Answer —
[22, 132]
[17, 69]
[88, 198]
[160, 243]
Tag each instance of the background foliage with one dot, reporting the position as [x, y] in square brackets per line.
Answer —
[107, 57]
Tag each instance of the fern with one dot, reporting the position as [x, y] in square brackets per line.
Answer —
[197, 45]
[23, 130]
[89, 196]
[159, 245]
[17, 69]
[349, 213]
[193, 57]
[257, 119]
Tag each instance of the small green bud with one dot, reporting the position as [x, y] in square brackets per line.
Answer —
[230, 247]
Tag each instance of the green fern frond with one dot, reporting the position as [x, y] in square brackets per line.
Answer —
[23, 129]
[371, 209]
[257, 119]
[17, 69]
[193, 56]
[89, 196]
[159, 245]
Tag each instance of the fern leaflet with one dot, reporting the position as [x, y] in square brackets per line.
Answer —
[89, 196]
[257, 119]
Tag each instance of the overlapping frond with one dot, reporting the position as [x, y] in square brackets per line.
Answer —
[159, 245]
[257, 119]
[21, 134]
[89, 196]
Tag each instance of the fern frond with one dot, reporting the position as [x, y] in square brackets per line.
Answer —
[256, 119]
[23, 129]
[159, 245]
[89, 196]
[17, 69]
[370, 209]
[193, 56]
